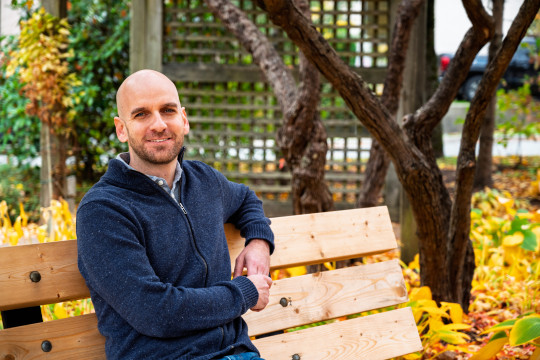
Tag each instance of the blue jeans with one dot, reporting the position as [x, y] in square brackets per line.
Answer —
[244, 356]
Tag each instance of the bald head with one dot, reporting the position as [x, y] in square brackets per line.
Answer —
[141, 83]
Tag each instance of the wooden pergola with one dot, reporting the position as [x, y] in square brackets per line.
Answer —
[232, 111]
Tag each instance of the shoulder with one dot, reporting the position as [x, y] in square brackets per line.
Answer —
[198, 168]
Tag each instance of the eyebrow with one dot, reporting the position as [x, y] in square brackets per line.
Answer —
[166, 105]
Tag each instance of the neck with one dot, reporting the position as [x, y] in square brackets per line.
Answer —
[165, 171]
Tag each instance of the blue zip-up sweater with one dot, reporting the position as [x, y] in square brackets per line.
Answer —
[159, 271]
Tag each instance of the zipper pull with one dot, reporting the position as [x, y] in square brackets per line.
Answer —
[183, 208]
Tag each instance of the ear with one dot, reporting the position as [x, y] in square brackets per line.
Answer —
[121, 131]
[185, 119]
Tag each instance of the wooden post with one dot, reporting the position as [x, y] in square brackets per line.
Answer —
[412, 97]
[146, 35]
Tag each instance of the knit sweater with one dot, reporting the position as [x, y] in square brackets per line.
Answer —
[159, 271]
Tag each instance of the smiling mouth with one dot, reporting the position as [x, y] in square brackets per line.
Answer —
[158, 141]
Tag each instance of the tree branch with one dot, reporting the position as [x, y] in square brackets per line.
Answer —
[352, 88]
[257, 44]
[430, 114]
[460, 217]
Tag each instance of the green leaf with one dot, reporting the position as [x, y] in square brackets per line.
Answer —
[525, 330]
[529, 240]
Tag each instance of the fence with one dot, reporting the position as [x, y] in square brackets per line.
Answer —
[232, 111]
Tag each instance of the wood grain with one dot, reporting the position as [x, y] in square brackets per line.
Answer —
[71, 339]
[330, 236]
[56, 263]
[329, 295]
[373, 337]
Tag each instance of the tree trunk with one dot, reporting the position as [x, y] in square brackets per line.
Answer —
[302, 138]
[46, 191]
[446, 262]
[379, 161]
[484, 169]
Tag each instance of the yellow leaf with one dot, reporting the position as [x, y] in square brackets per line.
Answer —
[453, 327]
[59, 311]
[513, 240]
[490, 350]
[13, 237]
[18, 227]
[456, 312]
[297, 271]
[421, 293]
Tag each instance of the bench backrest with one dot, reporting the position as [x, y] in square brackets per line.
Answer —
[300, 240]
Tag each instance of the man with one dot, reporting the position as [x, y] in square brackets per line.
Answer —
[151, 242]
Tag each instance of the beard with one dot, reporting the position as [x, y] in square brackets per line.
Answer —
[158, 154]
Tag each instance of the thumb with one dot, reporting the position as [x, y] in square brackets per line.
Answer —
[238, 267]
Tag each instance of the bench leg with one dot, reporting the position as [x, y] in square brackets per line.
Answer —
[19, 317]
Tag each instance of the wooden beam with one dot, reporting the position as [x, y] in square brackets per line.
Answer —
[329, 295]
[330, 236]
[368, 337]
[213, 73]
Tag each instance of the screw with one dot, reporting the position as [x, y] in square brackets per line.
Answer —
[296, 357]
[46, 346]
[284, 302]
[35, 276]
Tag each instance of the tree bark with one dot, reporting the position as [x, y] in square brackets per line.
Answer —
[378, 162]
[302, 138]
[484, 169]
[443, 227]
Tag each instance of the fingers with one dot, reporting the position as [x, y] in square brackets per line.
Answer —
[238, 266]
[263, 284]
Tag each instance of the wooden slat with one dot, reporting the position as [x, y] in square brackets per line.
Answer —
[330, 236]
[311, 298]
[56, 262]
[300, 240]
[71, 339]
[329, 295]
[379, 336]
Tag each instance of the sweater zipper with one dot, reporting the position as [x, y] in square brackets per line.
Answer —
[183, 208]
[193, 237]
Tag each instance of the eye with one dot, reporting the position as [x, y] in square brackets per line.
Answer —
[169, 110]
[139, 115]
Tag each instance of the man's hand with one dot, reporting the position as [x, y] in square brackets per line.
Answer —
[263, 284]
[255, 257]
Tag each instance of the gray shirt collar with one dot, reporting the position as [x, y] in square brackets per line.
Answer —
[124, 158]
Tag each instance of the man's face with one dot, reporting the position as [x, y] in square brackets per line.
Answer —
[151, 120]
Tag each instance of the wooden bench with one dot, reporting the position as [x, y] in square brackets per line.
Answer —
[39, 274]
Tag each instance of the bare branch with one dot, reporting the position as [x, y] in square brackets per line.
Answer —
[460, 219]
[352, 88]
[257, 44]
[407, 13]
[429, 115]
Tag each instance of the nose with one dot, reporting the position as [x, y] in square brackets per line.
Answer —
[158, 124]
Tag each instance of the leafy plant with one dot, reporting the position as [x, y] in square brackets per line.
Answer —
[100, 45]
[19, 131]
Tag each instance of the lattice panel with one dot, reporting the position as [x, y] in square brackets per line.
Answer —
[234, 114]
[358, 30]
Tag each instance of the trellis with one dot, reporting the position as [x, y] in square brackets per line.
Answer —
[232, 110]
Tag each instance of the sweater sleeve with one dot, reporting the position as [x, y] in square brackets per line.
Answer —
[244, 209]
[116, 267]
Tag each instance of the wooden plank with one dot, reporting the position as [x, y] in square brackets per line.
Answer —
[311, 298]
[300, 240]
[329, 236]
[56, 263]
[379, 336]
[329, 295]
[71, 339]
[215, 73]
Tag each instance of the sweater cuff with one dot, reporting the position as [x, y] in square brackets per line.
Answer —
[249, 291]
[260, 231]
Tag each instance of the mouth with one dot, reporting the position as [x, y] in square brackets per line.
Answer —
[159, 140]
